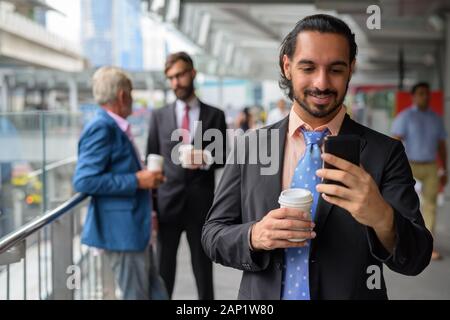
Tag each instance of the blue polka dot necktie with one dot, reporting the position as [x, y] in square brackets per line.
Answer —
[296, 260]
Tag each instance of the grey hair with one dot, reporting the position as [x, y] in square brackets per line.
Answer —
[106, 83]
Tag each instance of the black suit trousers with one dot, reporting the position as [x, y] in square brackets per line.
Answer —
[168, 241]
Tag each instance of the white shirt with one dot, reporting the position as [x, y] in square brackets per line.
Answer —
[194, 114]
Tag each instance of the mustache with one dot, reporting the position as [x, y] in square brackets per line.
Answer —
[318, 92]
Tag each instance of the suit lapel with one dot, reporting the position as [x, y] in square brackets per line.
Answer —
[172, 117]
[278, 178]
[323, 207]
[198, 135]
[274, 182]
[351, 127]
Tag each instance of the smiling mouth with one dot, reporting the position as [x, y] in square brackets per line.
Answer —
[321, 96]
[321, 99]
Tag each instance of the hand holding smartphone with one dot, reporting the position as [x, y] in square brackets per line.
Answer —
[346, 147]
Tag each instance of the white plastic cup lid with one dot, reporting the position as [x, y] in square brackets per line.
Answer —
[295, 197]
[153, 157]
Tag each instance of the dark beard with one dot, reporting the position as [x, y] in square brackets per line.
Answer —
[185, 93]
[320, 113]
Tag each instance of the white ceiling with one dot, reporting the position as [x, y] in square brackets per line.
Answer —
[243, 37]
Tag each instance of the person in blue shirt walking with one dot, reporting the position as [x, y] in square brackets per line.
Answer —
[423, 134]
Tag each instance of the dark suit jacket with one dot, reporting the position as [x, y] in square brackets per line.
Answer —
[343, 248]
[187, 194]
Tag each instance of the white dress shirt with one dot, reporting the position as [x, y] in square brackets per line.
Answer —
[194, 114]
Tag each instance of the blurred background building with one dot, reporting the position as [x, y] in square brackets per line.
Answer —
[111, 33]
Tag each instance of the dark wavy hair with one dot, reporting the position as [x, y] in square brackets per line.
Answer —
[420, 85]
[322, 23]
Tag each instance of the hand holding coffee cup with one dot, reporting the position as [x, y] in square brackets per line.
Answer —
[300, 199]
[285, 227]
[153, 177]
[149, 179]
[190, 158]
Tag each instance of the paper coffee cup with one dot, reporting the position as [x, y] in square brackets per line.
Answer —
[301, 199]
[185, 152]
[155, 162]
[189, 156]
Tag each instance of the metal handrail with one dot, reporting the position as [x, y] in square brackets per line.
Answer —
[53, 165]
[34, 225]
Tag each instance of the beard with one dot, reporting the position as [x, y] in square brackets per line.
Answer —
[320, 111]
[184, 93]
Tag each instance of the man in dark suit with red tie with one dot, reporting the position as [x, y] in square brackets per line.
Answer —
[184, 200]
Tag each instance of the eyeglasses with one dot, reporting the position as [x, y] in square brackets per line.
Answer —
[179, 75]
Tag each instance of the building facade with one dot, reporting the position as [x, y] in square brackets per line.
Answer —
[111, 33]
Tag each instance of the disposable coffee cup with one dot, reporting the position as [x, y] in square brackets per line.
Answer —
[301, 199]
[185, 151]
[155, 162]
[189, 156]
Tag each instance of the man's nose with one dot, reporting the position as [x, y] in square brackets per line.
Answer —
[322, 81]
[174, 82]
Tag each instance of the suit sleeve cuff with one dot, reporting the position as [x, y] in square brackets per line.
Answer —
[249, 238]
[259, 260]
[376, 247]
[134, 182]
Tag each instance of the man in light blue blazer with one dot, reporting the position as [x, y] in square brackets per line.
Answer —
[110, 170]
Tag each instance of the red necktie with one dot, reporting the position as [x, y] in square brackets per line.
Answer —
[185, 125]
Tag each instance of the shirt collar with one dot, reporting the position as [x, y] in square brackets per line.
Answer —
[295, 123]
[194, 103]
[416, 108]
[123, 124]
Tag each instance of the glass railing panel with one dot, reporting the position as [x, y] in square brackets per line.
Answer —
[21, 154]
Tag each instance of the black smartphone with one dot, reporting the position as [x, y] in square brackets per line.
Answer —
[344, 146]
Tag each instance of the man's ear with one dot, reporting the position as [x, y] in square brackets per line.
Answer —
[287, 67]
[194, 74]
[121, 97]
